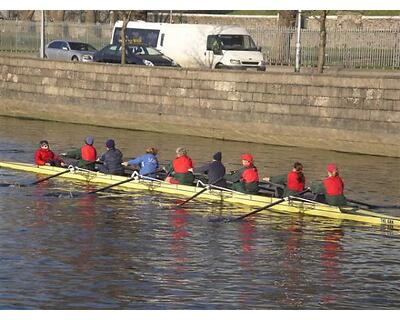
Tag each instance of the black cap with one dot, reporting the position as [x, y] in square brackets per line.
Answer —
[217, 156]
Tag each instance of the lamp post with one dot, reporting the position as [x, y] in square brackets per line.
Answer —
[298, 43]
[42, 35]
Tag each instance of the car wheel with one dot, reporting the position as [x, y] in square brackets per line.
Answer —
[75, 58]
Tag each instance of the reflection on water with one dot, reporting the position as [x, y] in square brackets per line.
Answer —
[330, 261]
[132, 250]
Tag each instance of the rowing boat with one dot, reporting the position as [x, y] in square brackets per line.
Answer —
[290, 206]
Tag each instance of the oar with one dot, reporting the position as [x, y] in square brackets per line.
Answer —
[207, 187]
[112, 185]
[265, 207]
[374, 206]
[135, 176]
[47, 178]
[70, 167]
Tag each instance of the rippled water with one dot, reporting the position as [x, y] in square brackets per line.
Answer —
[134, 251]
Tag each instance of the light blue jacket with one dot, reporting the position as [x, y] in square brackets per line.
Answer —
[148, 164]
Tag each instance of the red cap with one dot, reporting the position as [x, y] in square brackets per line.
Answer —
[331, 167]
[247, 156]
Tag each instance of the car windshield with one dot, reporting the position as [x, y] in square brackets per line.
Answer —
[138, 50]
[80, 46]
[237, 42]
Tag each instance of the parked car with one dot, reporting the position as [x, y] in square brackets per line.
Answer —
[69, 51]
[135, 54]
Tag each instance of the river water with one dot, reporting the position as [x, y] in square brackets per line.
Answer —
[134, 251]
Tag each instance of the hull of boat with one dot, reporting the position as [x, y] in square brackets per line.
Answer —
[292, 206]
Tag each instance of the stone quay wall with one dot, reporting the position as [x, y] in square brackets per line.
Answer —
[350, 113]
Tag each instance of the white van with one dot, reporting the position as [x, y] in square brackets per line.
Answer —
[197, 45]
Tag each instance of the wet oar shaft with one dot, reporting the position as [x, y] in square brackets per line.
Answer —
[266, 207]
[49, 177]
[207, 187]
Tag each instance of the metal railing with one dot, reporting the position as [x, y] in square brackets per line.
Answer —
[24, 36]
[345, 48]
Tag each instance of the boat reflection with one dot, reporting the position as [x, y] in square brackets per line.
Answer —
[330, 261]
[178, 219]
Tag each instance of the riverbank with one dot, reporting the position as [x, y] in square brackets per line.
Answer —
[357, 112]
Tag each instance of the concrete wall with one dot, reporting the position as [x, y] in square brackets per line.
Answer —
[346, 113]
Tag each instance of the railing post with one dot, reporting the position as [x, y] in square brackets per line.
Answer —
[298, 43]
[42, 35]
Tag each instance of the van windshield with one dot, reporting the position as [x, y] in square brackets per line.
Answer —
[237, 42]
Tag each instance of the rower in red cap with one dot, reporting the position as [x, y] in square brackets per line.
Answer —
[245, 179]
[332, 187]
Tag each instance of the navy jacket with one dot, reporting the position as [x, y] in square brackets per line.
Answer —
[112, 160]
[214, 170]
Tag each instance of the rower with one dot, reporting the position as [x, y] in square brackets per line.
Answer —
[293, 182]
[215, 170]
[44, 156]
[181, 169]
[85, 156]
[245, 179]
[111, 160]
[148, 163]
[332, 187]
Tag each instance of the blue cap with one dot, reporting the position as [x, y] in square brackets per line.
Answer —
[110, 144]
[89, 140]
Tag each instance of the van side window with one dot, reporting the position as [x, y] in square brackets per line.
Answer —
[162, 39]
[210, 41]
[214, 43]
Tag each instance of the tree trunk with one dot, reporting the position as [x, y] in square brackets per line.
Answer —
[90, 16]
[126, 19]
[322, 42]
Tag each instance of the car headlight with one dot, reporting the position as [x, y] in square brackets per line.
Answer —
[148, 63]
[235, 61]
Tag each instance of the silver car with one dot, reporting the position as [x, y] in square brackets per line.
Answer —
[69, 51]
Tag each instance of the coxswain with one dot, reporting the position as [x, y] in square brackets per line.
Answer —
[45, 157]
[85, 156]
[332, 187]
[245, 179]
[111, 160]
[214, 170]
[148, 163]
[181, 169]
[293, 183]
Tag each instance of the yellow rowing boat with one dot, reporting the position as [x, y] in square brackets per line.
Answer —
[292, 205]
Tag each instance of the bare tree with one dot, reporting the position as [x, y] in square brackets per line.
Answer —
[320, 16]
[126, 16]
[27, 15]
[286, 19]
[322, 41]
[90, 16]
[57, 15]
